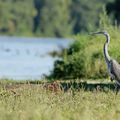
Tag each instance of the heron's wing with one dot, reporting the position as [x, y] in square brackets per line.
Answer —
[115, 69]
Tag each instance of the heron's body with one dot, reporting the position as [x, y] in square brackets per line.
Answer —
[115, 71]
[112, 65]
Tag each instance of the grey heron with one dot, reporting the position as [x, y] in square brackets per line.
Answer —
[112, 65]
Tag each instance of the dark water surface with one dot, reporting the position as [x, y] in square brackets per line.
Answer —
[27, 58]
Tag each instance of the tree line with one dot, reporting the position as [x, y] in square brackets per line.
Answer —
[58, 18]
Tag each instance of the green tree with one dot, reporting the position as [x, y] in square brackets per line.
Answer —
[85, 14]
[16, 17]
[55, 18]
[113, 9]
[58, 18]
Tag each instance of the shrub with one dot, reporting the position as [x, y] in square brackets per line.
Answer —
[84, 58]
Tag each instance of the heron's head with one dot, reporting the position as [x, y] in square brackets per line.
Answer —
[101, 32]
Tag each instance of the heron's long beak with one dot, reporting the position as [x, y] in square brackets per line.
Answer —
[95, 33]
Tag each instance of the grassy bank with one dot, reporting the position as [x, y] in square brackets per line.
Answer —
[27, 101]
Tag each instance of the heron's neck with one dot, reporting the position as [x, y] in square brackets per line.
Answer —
[107, 57]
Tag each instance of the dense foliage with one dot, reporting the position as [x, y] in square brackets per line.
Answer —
[113, 9]
[84, 58]
[59, 18]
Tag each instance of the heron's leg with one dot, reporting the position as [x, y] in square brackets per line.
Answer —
[116, 88]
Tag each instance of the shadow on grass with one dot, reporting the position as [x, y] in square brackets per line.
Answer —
[64, 85]
[89, 86]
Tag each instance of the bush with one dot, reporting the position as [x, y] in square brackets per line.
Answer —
[84, 58]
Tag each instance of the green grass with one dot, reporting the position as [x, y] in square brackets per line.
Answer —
[32, 102]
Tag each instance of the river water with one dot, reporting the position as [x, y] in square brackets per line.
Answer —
[27, 58]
